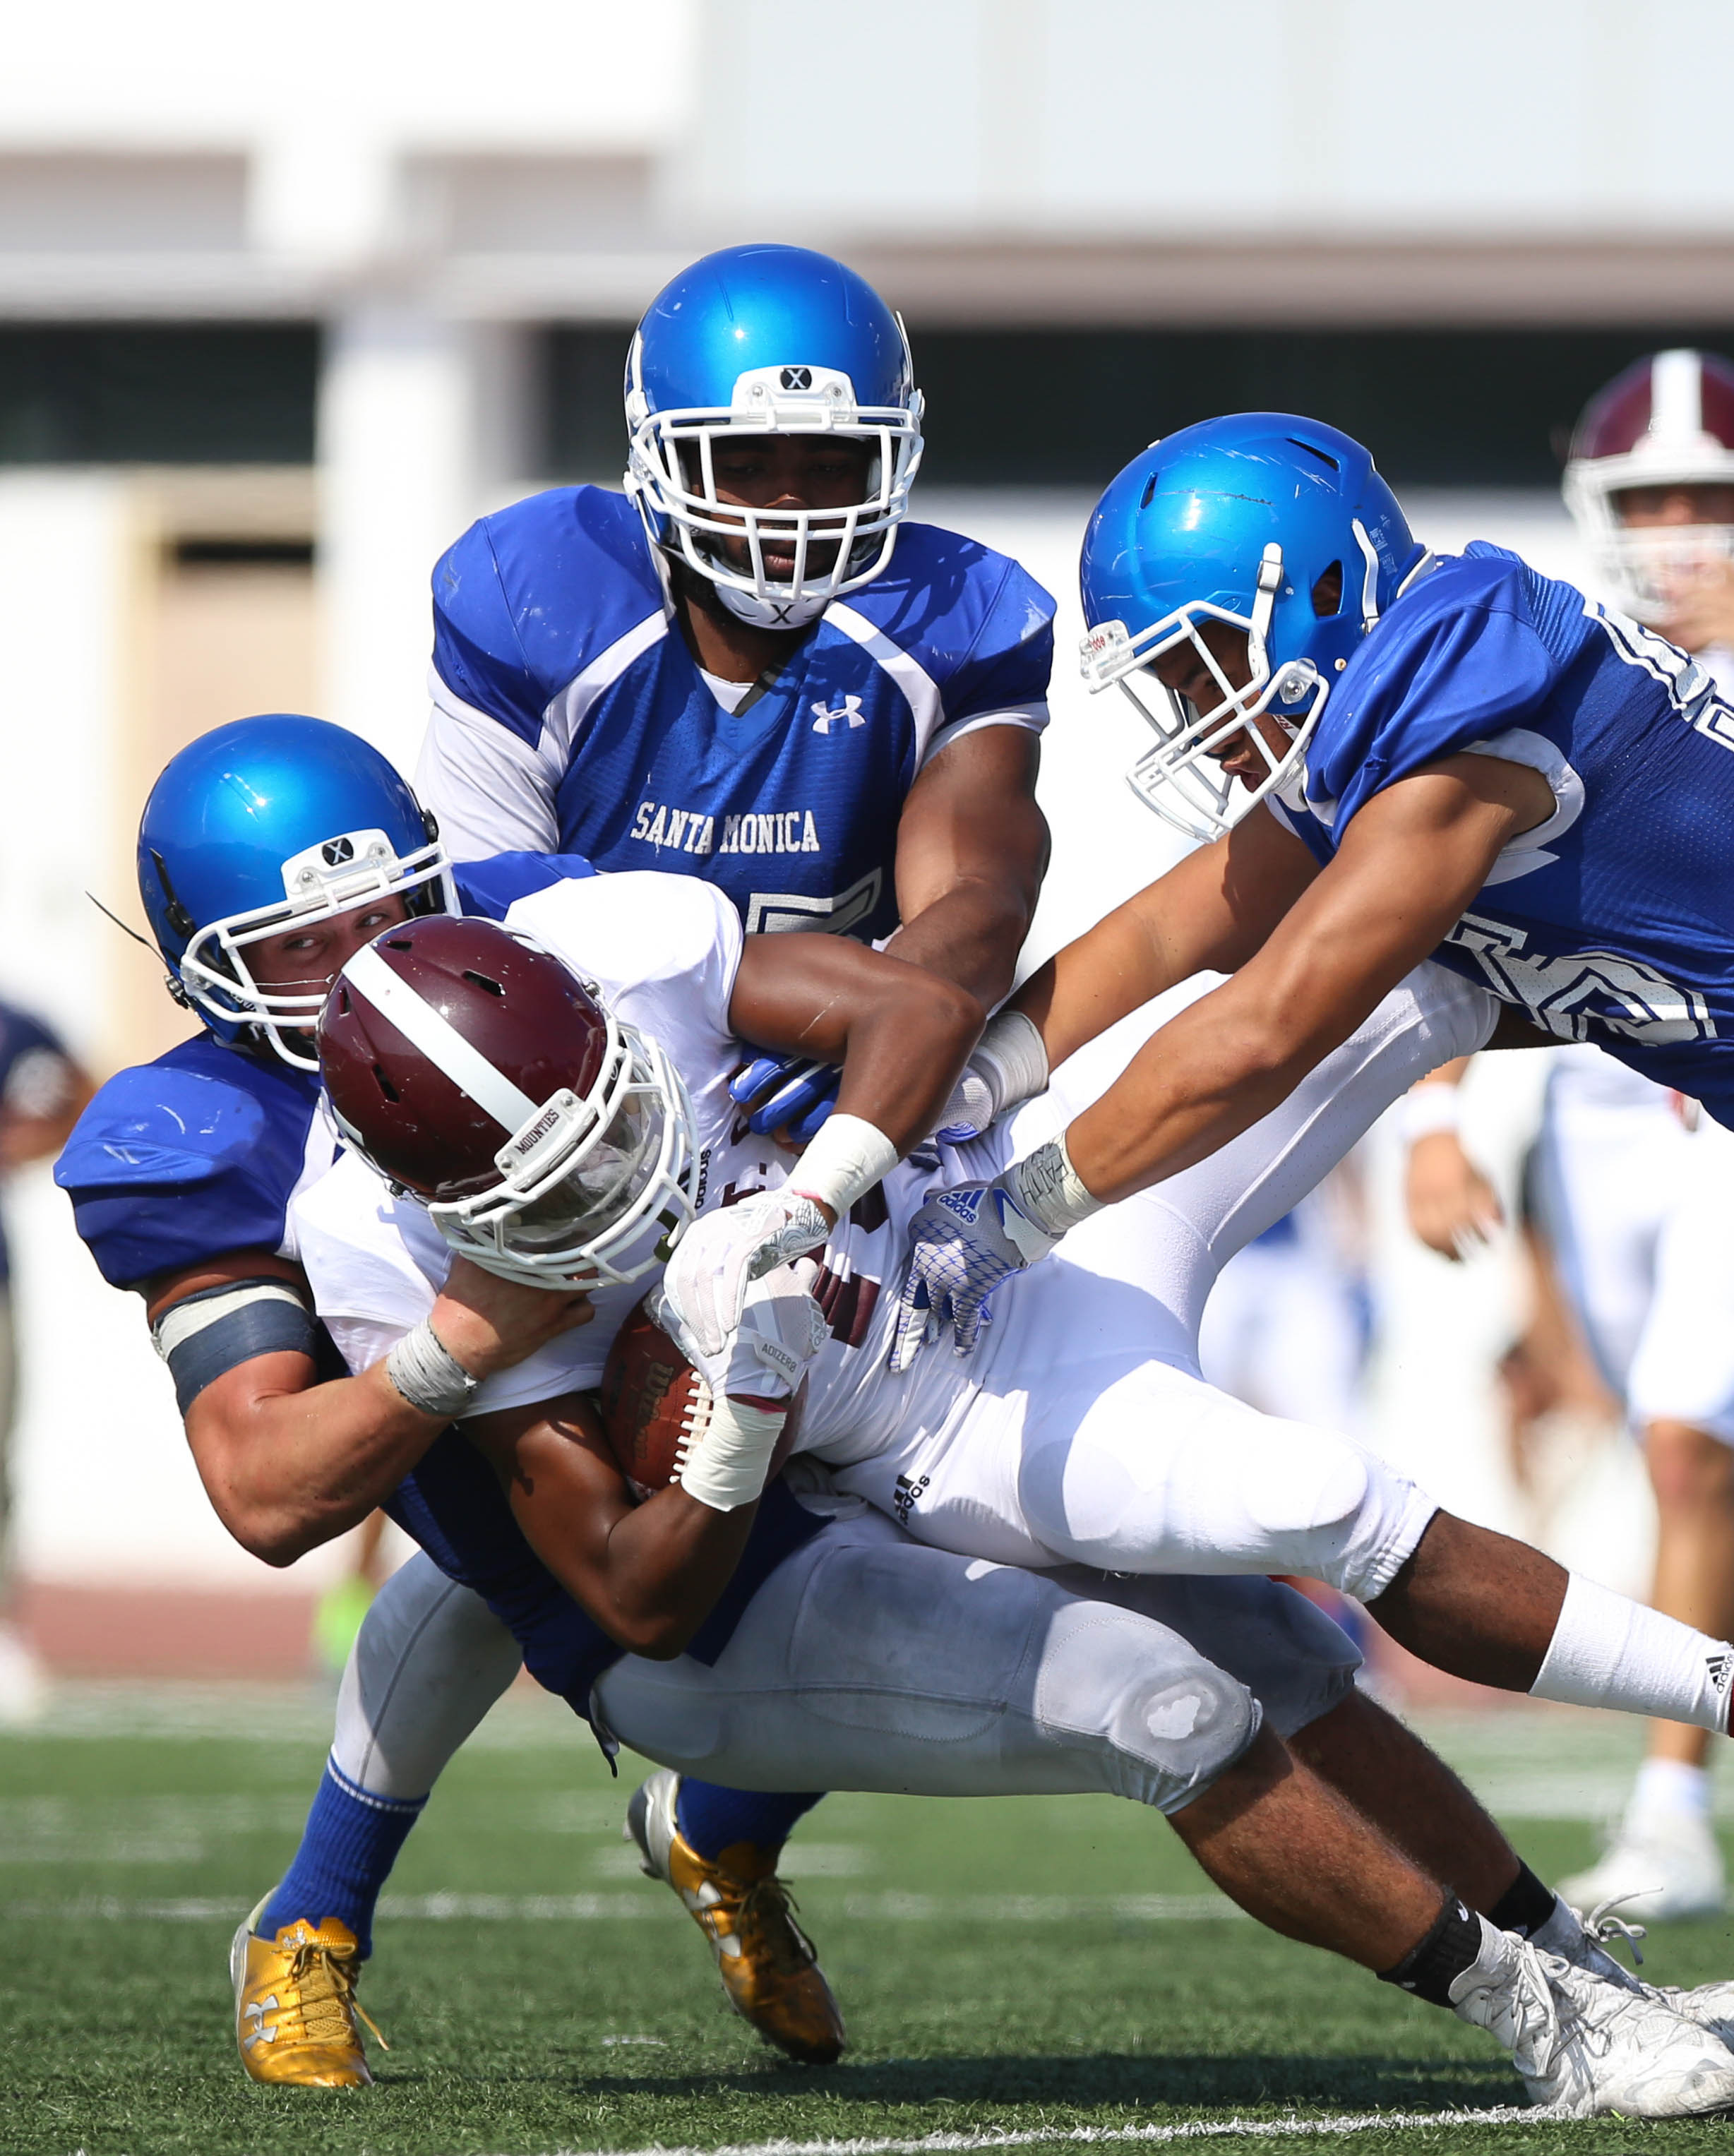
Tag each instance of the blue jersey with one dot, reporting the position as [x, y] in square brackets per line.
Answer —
[1612, 921]
[570, 714]
[200, 1154]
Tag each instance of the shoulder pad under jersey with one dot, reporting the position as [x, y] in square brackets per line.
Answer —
[178, 1161]
[530, 597]
[976, 622]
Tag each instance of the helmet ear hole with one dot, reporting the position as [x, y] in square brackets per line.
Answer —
[1327, 592]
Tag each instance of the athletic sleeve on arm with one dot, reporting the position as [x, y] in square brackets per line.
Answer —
[1454, 675]
[483, 770]
[1003, 679]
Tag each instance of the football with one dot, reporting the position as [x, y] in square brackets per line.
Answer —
[653, 1404]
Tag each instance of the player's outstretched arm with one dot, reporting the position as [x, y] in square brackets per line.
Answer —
[287, 1460]
[1210, 913]
[1407, 866]
[649, 1574]
[900, 1033]
[972, 851]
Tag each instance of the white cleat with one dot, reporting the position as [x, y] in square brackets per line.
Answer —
[1586, 2047]
[1584, 1941]
[1665, 1864]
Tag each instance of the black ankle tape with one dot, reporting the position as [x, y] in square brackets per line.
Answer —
[1430, 1968]
[1525, 1906]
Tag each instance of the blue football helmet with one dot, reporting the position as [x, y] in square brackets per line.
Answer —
[261, 824]
[1240, 520]
[769, 341]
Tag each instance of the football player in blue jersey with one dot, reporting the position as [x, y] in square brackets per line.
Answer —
[750, 666]
[1391, 757]
[270, 851]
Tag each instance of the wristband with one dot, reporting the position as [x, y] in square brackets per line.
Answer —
[1012, 1058]
[428, 1375]
[1427, 1108]
[843, 1162]
[1049, 1189]
[725, 1450]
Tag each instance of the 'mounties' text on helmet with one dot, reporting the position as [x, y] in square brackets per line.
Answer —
[550, 1142]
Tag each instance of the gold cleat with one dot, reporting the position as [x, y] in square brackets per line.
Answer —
[766, 1962]
[296, 2007]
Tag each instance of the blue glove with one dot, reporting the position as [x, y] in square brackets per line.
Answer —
[963, 1244]
[786, 1092]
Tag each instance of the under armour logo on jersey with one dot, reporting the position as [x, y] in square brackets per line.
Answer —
[824, 720]
[337, 851]
[797, 377]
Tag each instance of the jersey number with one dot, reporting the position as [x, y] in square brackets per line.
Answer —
[1568, 994]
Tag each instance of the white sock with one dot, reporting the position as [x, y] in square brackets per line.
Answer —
[1609, 1652]
[1670, 1789]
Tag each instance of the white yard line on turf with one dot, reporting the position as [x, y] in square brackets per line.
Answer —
[1223, 2129]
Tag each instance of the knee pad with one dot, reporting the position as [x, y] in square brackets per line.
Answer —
[1163, 1721]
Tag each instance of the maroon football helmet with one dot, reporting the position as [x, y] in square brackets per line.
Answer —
[479, 1075]
[1667, 421]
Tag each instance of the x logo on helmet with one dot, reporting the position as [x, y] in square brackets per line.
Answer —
[337, 851]
[797, 377]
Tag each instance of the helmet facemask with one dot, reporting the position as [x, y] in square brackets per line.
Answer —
[671, 476]
[595, 1191]
[339, 875]
[1180, 778]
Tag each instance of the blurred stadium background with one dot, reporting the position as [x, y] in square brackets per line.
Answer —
[285, 300]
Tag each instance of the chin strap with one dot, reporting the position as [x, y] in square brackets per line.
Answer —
[771, 614]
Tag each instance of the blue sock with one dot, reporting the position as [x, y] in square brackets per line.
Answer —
[348, 1847]
[711, 1820]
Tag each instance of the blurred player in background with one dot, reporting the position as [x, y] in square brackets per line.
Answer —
[41, 1089]
[1634, 1189]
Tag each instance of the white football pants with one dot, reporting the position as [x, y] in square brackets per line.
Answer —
[1640, 1213]
[866, 1661]
[1080, 1430]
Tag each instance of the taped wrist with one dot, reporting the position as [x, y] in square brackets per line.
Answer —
[725, 1451]
[843, 1162]
[1050, 1188]
[1011, 1057]
[428, 1375]
[212, 1332]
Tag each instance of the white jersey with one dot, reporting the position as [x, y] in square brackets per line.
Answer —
[662, 952]
[938, 1448]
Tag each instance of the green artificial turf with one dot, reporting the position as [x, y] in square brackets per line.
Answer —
[997, 1966]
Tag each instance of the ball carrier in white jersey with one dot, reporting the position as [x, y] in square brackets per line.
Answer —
[375, 1266]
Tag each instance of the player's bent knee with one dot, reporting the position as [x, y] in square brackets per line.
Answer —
[1162, 1721]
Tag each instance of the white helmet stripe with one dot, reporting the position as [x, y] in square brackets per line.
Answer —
[1676, 396]
[422, 1026]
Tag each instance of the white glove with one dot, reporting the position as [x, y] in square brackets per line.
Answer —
[963, 1244]
[751, 1386]
[704, 1289]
